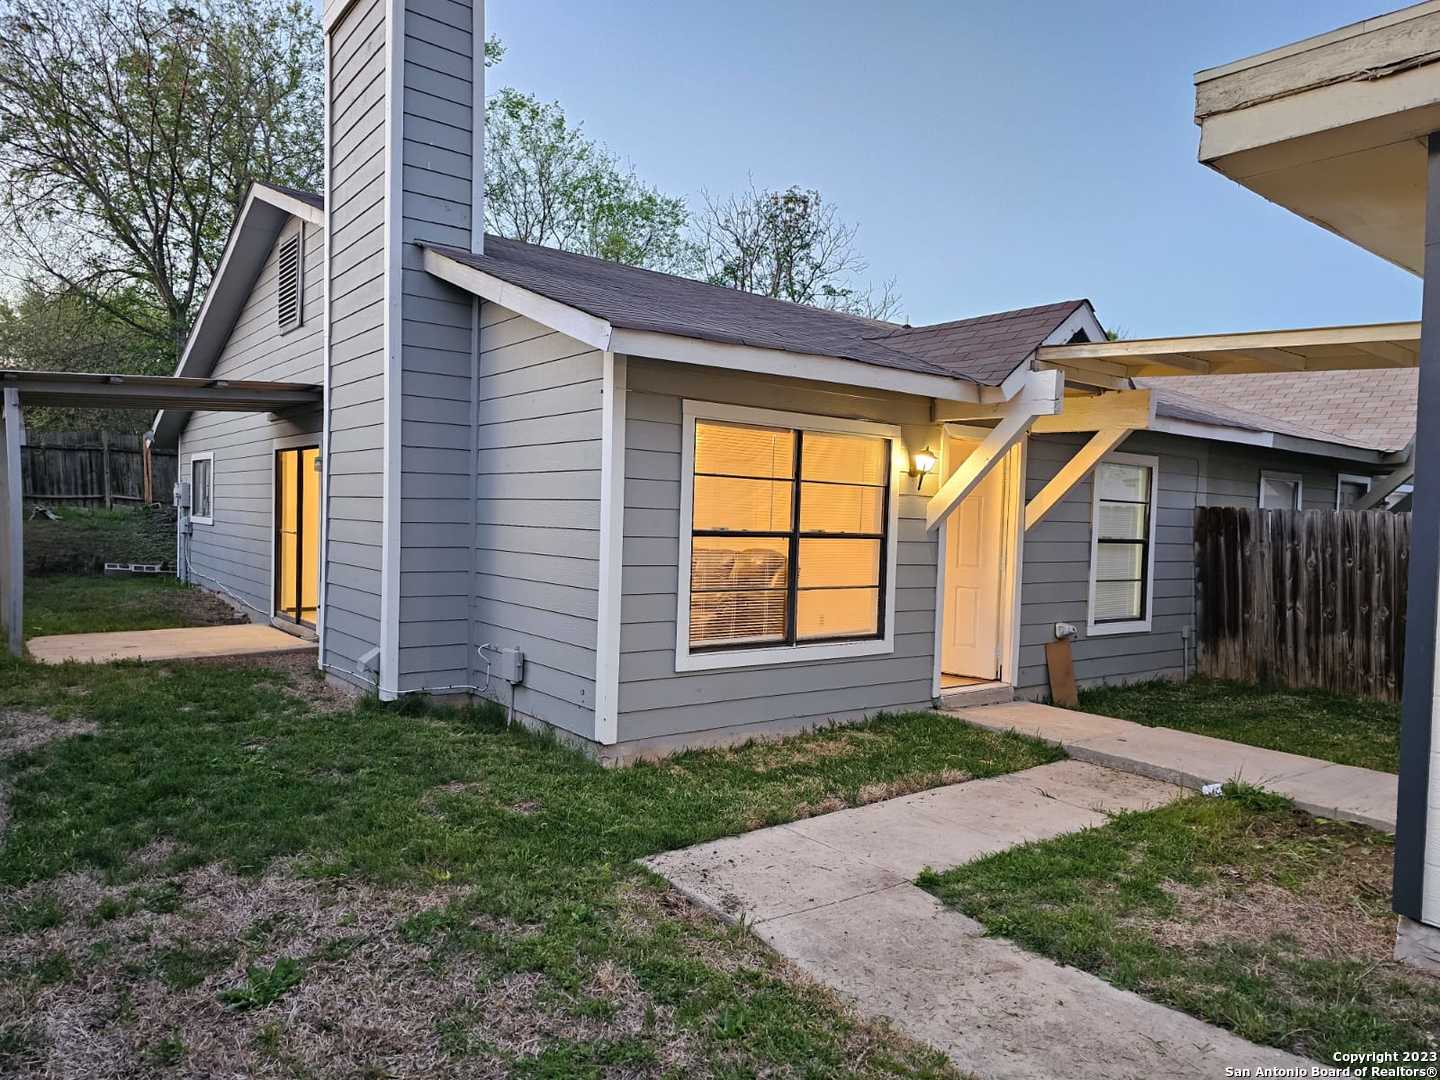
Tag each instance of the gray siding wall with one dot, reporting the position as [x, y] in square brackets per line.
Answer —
[1056, 576]
[357, 336]
[537, 505]
[656, 702]
[437, 376]
[233, 555]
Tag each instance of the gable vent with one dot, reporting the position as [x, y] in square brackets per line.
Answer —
[291, 281]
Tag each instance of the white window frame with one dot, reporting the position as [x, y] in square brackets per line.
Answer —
[1350, 478]
[204, 455]
[712, 660]
[1287, 477]
[1130, 626]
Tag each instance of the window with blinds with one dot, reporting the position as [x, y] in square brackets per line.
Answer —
[290, 281]
[1280, 491]
[788, 536]
[1121, 567]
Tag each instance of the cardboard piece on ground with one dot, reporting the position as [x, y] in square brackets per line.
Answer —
[1061, 666]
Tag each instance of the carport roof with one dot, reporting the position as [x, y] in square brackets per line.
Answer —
[75, 389]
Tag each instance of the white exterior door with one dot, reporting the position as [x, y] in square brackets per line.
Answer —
[974, 549]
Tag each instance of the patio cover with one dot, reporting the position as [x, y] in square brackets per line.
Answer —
[150, 392]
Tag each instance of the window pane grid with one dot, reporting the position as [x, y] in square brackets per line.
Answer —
[1122, 543]
[838, 498]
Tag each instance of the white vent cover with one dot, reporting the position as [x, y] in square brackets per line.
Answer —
[291, 284]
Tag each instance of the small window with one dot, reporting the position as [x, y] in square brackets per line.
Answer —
[1279, 491]
[790, 539]
[1122, 557]
[1350, 489]
[290, 281]
[202, 471]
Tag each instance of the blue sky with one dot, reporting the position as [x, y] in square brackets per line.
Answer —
[994, 155]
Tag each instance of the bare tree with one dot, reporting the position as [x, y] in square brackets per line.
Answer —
[129, 133]
[789, 245]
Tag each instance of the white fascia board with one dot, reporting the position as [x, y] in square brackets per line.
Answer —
[291, 205]
[1218, 433]
[562, 318]
[257, 193]
[795, 365]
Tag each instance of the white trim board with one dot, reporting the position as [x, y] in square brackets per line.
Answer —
[612, 545]
[1285, 478]
[685, 660]
[191, 459]
[1132, 626]
[390, 513]
[1341, 479]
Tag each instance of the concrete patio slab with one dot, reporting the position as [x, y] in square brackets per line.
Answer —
[189, 643]
[833, 894]
[1341, 792]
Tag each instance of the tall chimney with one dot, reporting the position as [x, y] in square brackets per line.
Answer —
[405, 93]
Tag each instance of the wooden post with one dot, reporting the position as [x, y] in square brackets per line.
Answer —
[105, 467]
[12, 537]
[147, 483]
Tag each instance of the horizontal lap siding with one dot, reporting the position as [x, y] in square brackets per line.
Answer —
[357, 336]
[1056, 576]
[656, 702]
[437, 422]
[536, 501]
[233, 555]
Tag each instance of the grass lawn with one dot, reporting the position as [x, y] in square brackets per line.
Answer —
[92, 604]
[1238, 910]
[1350, 731]
[82, 541]
[221, 869]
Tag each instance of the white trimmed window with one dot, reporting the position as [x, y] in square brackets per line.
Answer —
[202, 489]
[788, 542]
[1279, 490]
[1122, 544]
[1350, 488]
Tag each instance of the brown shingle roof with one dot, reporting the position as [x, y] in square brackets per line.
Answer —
[986, 348]
[1373, 409]
[983, 350]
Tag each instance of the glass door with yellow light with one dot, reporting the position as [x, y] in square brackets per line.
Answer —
[297, 534]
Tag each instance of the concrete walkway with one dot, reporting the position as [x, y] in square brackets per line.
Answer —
[834, 894]
[190, 643]
[1321, 788]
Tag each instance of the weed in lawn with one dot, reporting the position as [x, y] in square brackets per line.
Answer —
[1239, 910]
[264, 985]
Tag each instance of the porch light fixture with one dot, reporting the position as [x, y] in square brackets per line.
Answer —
[922, 463]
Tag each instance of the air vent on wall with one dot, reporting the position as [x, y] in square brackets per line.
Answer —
[291, 281]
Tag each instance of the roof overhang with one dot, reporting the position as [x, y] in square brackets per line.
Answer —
[1272, 439]
[85, 390]
[600, 334]
[262, 216]
[1326, 348]
[1333, 128]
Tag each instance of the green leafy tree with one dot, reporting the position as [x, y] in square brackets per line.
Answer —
[65, 332]
[129, 133]
[547, 183]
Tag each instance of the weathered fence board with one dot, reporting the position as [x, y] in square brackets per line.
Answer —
[94, 468]
[1304, 598]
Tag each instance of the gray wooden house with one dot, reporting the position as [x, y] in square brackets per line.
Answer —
[648, 512]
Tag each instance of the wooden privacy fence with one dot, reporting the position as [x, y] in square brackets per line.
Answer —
[1304, 598]
[94, 468]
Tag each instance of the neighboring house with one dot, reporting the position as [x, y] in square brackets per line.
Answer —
[700, 514]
